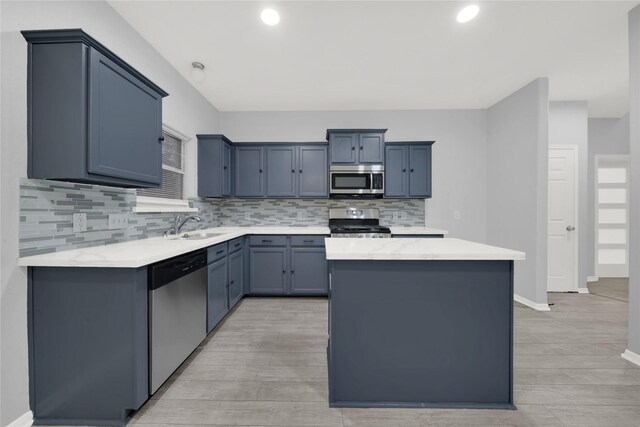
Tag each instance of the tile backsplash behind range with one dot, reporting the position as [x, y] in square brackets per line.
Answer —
[47, 208]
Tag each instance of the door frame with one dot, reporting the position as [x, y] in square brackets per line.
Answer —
[596, 159]
[576, 204]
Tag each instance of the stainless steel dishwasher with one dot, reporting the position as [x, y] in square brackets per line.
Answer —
[177, 313]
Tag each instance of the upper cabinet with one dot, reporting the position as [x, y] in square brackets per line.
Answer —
[249, 171]
[356, 146]
[408, 170]
[214, 166]
[297, 171]
[92, 117]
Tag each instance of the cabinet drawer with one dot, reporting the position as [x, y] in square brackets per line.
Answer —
[236, 244]
[268, 240]
[307, 240]
[216, 252]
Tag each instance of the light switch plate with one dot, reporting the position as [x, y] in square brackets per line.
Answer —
[456, 215]
[79, 222]
[403, 215]
[118, 221]
[300, 214]
[247, 215]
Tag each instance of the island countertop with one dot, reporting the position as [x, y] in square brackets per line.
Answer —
[416, 249]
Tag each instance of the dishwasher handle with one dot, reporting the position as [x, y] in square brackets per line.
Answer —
[172, 269]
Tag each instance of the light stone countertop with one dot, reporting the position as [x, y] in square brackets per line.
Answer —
[138, 253]
[416, 249]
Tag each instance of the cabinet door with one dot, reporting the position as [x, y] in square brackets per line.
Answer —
[371, 148]
[226, 170]
[312, 172]
[268, 270]
[125, 124]
[395, 172]
[235, 277]
[420, 171]
[217, 302]
[281, 171]
[249, 175]
[309, 271]
[343, 147]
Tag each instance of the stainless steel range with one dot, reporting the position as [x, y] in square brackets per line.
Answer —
[356, 222]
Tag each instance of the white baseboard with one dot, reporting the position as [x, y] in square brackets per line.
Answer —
[583, 290]
[25, 420]
[631, 357]
[592, 278]
[529, 303]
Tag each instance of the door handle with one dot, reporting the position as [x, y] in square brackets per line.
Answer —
[570, 228]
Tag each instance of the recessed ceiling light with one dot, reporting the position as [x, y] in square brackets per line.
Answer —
[270, 17]
[468, 13]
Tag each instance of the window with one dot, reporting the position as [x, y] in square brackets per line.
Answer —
[169, 197]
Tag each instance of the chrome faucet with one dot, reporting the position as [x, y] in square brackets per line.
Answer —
[178, 223]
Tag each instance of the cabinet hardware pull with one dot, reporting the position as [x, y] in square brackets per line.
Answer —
[300, 171]
[404, 170]
[361, 147]
[284, 271]
[293, 271]
[232, 282]
[238, 244]
[267, 241]
[308, 241]
[411, 170]
[219, 252]
[260, 170]
[353, 147]
[293, 171]
[225, 168]
[161, 139]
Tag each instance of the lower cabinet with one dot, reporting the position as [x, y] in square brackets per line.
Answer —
[294, 265]
[268, 270]
[309, 272]
[236, 269]
[217, 301]
[225, 281]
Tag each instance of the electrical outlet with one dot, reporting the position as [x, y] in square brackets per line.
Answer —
[396, 215]
[301, 215]
[247, 215]
[456, 215]
[403, 215]
[79, 222]
[118, 221]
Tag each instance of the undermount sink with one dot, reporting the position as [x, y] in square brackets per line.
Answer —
[195, 236]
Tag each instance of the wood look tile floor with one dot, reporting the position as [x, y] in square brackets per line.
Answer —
[265, 365]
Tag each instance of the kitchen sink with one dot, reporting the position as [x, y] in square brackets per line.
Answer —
[195, 236]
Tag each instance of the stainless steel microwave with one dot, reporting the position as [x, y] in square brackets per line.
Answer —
[356, 180]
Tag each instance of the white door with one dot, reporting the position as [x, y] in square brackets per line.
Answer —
[562, 237]
[612, 213]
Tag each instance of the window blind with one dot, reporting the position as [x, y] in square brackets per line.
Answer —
[172, 170]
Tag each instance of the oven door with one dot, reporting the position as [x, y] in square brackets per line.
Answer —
[351, 182]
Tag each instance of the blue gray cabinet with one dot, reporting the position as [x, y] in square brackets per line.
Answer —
[408, 170]
[249, 171]
[288, 265]
[217, 300]
[309, 271]
[282, 170]
[297, 171]
[88, 344]
[312, 171]
[356, 146]
[236, 273]
[214, 166]
[268, 270]
[92, 118]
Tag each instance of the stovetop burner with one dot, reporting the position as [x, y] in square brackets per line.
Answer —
[355, 222]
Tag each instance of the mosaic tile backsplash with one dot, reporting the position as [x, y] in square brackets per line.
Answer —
[47, 208]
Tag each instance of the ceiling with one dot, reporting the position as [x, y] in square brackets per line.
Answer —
[393, 55]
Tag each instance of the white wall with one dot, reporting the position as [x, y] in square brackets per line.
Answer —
[185, 110]
[606, 136]
[459, 154]
[517, 153]
[568, 125]
[634, 210]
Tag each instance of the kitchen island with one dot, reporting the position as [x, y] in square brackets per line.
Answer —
[420, 323]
